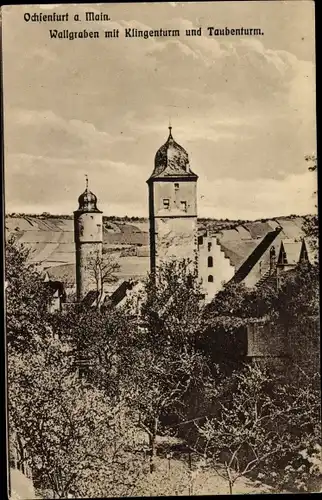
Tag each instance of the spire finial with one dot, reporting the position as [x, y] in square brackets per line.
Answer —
[86, 181]
[170, 128]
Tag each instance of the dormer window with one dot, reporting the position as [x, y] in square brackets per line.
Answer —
[183, 206]
[166, 203]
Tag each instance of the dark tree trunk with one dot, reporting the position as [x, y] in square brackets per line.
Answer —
[152, 438]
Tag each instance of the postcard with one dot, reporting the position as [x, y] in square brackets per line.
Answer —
[161, 249]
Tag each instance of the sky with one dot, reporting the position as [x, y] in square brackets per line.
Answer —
[242, 107]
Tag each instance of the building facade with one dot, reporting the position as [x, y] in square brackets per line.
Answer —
[214, 267]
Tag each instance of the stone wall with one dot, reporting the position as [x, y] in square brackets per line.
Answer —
[176, 238]
[288, 347]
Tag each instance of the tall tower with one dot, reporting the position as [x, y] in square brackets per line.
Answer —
[172, 205]
[88, 233]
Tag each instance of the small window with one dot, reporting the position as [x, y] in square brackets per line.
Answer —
[166, 203]
[200, 240]
[210, 261]
[183, 205]
[176, 186]
[209, 246]
[210, 278]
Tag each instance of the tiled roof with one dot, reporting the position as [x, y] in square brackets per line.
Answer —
[65, 273]
[119, 294]
[51, 242]
[239, 244]
[255, 256]
[292, 250]
[90, 298]
[238, 250]
[258, 229]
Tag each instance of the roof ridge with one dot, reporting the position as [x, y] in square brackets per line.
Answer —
[255, 255]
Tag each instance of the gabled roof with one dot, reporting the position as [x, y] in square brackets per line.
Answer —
[65, 273]
[57, 289]
[255, 256]
[290, 251]
[90, 298]
[236, 251]
[120, 293]
[297, 250]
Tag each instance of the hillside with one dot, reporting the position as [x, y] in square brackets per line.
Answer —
[50, 239]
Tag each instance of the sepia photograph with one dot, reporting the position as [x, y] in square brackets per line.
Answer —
[162, 323]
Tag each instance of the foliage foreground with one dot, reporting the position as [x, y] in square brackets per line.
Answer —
[154, 375]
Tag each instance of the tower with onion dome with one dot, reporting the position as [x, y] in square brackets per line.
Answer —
[172, 206]
[88, 231]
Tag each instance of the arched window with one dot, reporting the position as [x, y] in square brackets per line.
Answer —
[210, 278]
[210, 261]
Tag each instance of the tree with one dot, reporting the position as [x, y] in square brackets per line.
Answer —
[71, 430]
[152, 368]
[173, 305]
[311, 224]
[233, 306]
[105, 340]
[161, 383]
[167, 365]
[27, 298]
[102, 271]
[261, 425]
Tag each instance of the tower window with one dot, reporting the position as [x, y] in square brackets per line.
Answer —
[210, 261]
[209, 246]
[210, 278]
[200, 240]
[183, 206]
[166, 203]
[176, 186]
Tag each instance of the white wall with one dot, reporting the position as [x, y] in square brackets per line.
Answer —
[222, 270]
